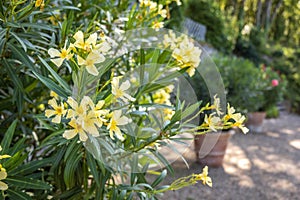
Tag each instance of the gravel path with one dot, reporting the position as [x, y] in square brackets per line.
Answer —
[256, 166]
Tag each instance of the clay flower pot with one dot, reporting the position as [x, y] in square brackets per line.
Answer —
[210, 148]
[255, 121]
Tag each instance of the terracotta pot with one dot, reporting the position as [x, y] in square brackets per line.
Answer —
[255, 121]
[210, 148]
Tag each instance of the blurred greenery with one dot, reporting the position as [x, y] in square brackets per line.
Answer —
[263, 31]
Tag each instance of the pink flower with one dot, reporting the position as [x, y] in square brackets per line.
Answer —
[275, 82]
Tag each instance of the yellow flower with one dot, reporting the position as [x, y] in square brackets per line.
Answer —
[98, 112]
[204, 177]
[88, 124]
[93, 58]
[54, 95]
[230, 112]
[116, 121]
[119, 90]
[239, 120]
[157, 25]
[77, 129]
[161, 11]
[3, 156]
[58, 110]
[3, 175]
[85, 45]
[145, 3]
[213, 122]
[187, 55]
[170, 40]
[217, 105]
[40, 3]
[77, 110]
[162, 97]
[57, 57]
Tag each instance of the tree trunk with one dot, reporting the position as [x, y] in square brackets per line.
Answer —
[268, 16]
[258, 14]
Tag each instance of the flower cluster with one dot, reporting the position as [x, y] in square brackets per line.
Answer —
[88, 52]
[192, 179]
[163, 96]
[156, 11]
[186, 54]
[215, 120]
[3, 174]
[86, 117]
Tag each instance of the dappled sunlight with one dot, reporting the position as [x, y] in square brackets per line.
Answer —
[295, 143]
[273, 134]
[288, 131]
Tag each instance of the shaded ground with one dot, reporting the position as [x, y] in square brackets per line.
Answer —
[256, 166]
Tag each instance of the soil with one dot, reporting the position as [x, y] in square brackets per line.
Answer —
[262, 165]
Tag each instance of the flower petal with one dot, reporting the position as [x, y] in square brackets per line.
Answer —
[3, 186]
[53, 53]
[82, 136]
[125, 85]
[49, 113]
[81, 61]
[92, 70]
[92, 39]
[69, 134]
[56, 119]
[57, 61]
[3, 175]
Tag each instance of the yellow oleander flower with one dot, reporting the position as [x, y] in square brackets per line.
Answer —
[54, 95]
[217, 105]
[89, 122]
[58, 111]
[212, 122]
[170, 40]
[77, 110]
[85, 44]
[204, 177]
[230, 112]
[76, 124]
[99, 113]
[93, 58]
[3, 175]
[187, 55]
[103, 47]
[153, 6]
[119, 90]
[3, 156]
[40, 3]
[162, 12]
[239, 120]
[57, 57]
[168, 113]
[115, 121]
[157, 25]
[145, 3]
[162, 97]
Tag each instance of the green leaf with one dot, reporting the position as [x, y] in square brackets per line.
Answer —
[31, 166]
[5, 143]
[29, 183]
[56, 76]
[19, 40]
[159, 179]
[17, 195]
[17, 82]
[93, 167]
[53, 86]
[163, 160]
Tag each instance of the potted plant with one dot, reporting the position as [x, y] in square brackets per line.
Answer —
[210, 148]
[245, 86]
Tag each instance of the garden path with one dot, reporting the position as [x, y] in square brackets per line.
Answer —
[256, 166]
